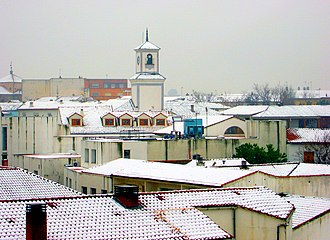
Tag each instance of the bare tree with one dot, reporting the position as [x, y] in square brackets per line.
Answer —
[320, 147]
[281, 93]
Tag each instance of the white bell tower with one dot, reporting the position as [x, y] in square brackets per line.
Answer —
[147, 84]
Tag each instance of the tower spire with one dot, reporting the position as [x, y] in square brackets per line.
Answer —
[11, 68]
[147, 35]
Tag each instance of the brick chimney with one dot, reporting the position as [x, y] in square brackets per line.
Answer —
[36, 221]
[127, 195]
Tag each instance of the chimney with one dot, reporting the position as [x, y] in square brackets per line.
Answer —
[31, 104]
[192, 108]
[36, 221]
[127, 195]
[244, 165]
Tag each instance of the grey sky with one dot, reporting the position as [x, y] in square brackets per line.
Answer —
[205, 45]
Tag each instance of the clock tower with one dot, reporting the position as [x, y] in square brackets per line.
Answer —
[147, 84]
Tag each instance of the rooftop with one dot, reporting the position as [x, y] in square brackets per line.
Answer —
[161, 215]
[307, 208]
[17, 184]
[308, 135]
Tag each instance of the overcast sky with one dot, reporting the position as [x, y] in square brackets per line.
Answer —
[220, 45]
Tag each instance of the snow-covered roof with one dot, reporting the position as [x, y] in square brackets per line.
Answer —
[224, 162]
[10, 106]
[294, 111]
[293, 169]
[307, 208]
[259, 199]
[53, 156]
[308, 135]
[161, 215]
[19, 184]
[148, 76]
[169, 172]
[4, 91]
[245, 110]
[92, 123]
[11, 78]
[312, 93]
[147, 45]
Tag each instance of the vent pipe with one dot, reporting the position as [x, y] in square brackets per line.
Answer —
[36, 221]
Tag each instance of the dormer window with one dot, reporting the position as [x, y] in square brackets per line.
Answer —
[149, 59]
[109, 122]
[143, 122]
[160, 122]
[126, 122]
[76, 122]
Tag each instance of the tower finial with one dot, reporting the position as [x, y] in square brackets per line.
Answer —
[11, 68]
[147, 35]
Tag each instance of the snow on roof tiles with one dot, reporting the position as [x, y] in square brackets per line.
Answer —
[307, 208]
[308, 135]
[169, 172]
[19, 184]
[147, 45]
[148, 76]
[101, 217]
[11, 78]
[245, 110]
[294, 111]
[259, 199]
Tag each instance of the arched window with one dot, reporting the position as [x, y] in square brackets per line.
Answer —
[149, 59]
[234, 131]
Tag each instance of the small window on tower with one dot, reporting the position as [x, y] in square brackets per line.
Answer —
[76, 122]
[149, 59]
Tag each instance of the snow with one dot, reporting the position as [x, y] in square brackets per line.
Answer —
[161, 215]
[294, 111]
[148, 76]
[147, 45]
[169, 172]
[307, 208]
[11, 78]
[245, 110]
[308, 135]
[20, 184]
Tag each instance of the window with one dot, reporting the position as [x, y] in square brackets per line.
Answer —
[127, 153]
[95, 94]
[93, 156]
[93, 190]
[95, 85]
[113, 85]
[106, 85]
[70, 183]
[66, 181]
[149, 59]
[160, 122]
[84, 189]
[86, 155]
[4, 138]
[108, 94]
[143, 122]
[126, 122]
[121, 85]
[109, 122]
[76, 122]
[234, 130]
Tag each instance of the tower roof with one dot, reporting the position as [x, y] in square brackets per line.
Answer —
[147, 45]
[10, 78]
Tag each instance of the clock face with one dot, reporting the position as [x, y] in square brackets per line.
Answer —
[138, 60]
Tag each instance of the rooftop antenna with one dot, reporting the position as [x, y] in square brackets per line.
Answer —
[11, 68]
[60, 73]
[147, 37]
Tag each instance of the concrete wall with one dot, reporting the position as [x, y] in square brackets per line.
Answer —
[33, 89]
[316, 229]
[244, 224]
[220, 128]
